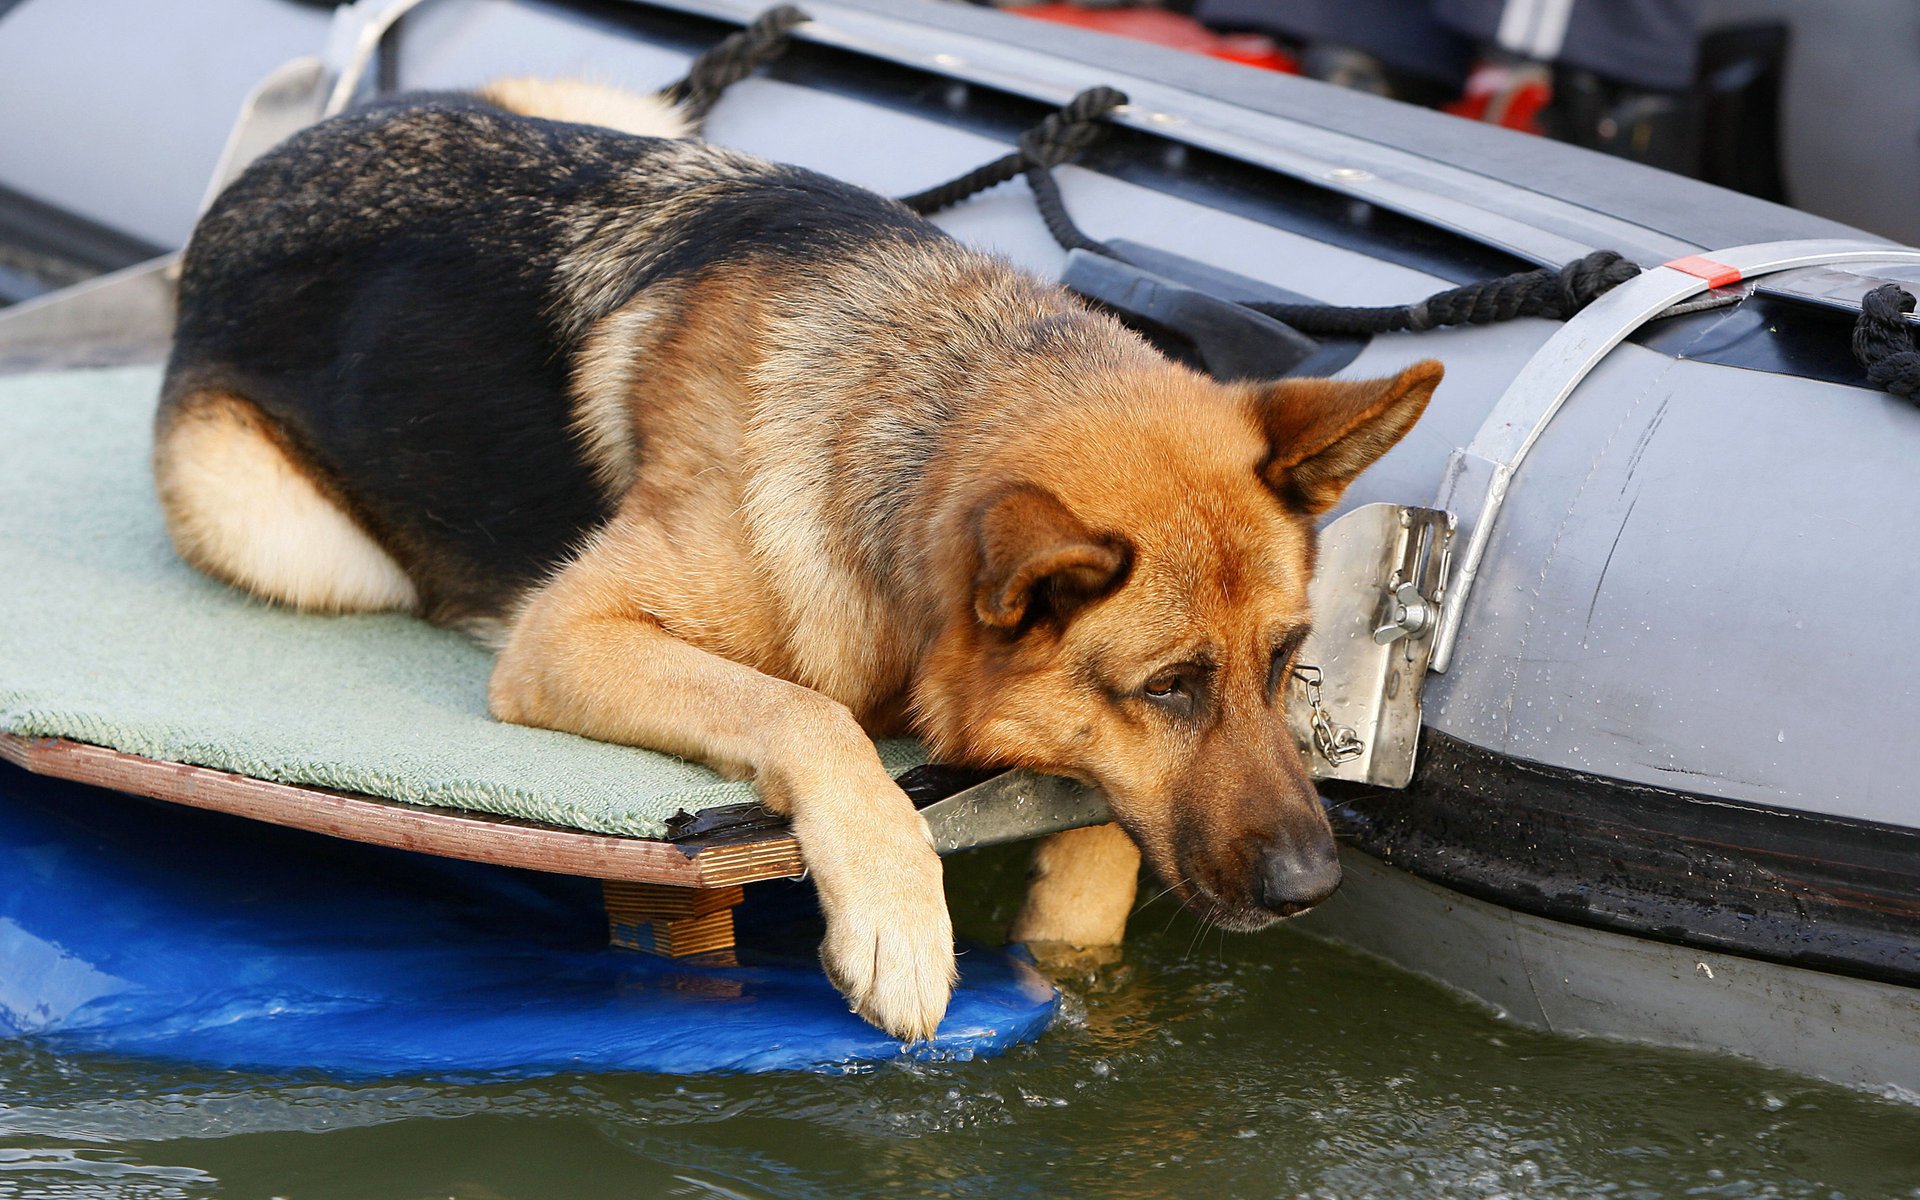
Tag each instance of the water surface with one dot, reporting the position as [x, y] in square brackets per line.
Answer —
[1201, 1064]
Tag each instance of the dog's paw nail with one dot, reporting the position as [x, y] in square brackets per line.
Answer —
[894, 963]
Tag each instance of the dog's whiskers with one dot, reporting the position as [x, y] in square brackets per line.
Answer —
[1157, 896]
[1175, 914]
[1206, 923]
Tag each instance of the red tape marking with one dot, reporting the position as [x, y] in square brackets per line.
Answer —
[1717, 274]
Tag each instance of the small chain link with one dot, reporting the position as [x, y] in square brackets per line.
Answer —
[1337, 743]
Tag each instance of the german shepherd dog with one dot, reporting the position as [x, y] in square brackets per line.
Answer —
[735, 461]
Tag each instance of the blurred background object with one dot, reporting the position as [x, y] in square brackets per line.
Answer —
[1762, 96]
[103, 155]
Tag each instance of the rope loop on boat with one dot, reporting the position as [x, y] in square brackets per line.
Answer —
[1057, 139]
[732, 59]
[1062, 135]
[1555, 293]
[1883, 341]
[1053, 210]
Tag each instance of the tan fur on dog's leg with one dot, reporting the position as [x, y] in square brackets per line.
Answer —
[1082, 889]
[584, 658]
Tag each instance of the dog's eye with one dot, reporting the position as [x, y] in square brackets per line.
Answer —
[1166, 687]
[1180, 689]
[1178, 692]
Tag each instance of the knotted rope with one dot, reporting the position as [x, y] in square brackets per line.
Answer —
[1883, 341]
[732, 59]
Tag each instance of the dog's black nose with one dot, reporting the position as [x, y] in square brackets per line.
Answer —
[1294, 878]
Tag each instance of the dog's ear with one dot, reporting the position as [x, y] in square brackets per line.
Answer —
[1323, 432]
[1038, 561]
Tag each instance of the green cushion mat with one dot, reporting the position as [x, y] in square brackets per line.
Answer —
[106, 637]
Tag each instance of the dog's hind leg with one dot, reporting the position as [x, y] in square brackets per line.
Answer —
[1081, 889]
[242, 506]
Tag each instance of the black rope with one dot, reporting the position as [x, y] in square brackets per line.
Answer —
[1883, 341]
[1552, 292]
[732, 59]
[1053, 210]
[1055, 140]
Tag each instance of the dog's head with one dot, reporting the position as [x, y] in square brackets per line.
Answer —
[1139, 593]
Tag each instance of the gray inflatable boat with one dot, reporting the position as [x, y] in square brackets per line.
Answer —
[1610, 737]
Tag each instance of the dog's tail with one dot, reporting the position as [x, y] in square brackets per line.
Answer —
[582, 102]
[677, 110]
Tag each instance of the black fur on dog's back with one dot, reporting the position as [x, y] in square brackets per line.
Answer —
[402, 290]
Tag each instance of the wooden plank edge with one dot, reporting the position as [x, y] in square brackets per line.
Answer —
[450, 833]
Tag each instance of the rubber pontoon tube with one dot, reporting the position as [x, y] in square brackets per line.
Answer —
[1477, 479]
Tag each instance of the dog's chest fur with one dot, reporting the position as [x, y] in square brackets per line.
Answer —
[820, 420]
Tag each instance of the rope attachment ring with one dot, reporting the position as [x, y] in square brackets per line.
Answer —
[1061, 136]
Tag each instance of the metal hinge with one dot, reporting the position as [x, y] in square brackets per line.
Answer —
[1376, 595]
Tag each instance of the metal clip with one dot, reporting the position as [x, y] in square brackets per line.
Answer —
[1414, 590]
[1336, 743]
[1377, 596]
[1407, 614]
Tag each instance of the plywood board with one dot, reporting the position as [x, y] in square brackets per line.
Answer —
[709, 863]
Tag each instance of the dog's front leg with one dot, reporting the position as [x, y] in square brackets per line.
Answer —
[1080, 891]
[576, 663]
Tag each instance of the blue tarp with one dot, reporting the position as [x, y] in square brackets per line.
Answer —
[133, 927]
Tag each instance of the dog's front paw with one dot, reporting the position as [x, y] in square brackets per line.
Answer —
[889, 943]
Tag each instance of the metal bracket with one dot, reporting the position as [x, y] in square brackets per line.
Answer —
[1381, 581]
[131, 305]
[995, 807]
[290, 98]
[358, 30]
[1478, 479]
[1011, 808]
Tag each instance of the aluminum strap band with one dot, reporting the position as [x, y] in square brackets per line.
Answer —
[1478, 478]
